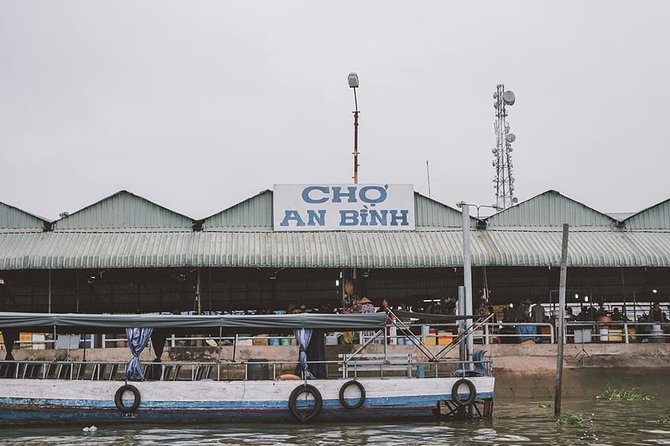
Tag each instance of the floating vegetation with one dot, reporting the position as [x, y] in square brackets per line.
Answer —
[624, 394]
[665, 420]
[571, 419]
[544, 405]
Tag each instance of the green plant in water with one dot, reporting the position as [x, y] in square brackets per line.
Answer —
[624, 394]
[665, 420]
[571, 419]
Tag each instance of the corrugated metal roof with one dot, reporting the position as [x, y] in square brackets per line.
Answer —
[433, 214]
[253, 213]
[401, 249]
[123, 211]
[654, 217]
[14, 219]
[127, 231]
[550, 209]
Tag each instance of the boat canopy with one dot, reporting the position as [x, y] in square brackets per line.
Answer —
[27, 321]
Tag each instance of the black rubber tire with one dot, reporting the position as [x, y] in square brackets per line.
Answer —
[343, 389]
[293, 400]
[118, 399]
[471, 395]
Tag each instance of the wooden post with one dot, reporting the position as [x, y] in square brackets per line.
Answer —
[561, 320]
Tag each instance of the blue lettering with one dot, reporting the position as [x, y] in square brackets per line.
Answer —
[292, 215]
[378, 218]
[316, 218]
[363, 194]
[363, 214]
[401, 216]
[338, 194]
[348, 218]
[308, 199]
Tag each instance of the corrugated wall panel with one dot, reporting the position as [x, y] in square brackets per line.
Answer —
[655, 217]
[256, 212]
[12, 218]
[124, 211]
[431, 213]
[549, 209]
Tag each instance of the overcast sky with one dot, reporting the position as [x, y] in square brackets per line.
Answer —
[198, 105]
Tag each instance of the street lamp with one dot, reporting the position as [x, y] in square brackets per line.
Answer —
[353, 83]
[467, 267]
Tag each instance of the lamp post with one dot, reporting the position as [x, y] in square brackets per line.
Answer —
[467, 268]
[353, 83]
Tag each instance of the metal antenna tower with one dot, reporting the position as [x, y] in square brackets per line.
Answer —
[503, 183]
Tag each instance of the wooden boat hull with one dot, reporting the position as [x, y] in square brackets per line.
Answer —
[30, 401]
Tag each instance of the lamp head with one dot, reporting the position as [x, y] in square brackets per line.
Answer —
[353, 80]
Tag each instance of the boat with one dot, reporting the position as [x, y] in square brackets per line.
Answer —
[358, 386]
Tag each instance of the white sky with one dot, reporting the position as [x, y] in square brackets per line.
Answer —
[198, 105]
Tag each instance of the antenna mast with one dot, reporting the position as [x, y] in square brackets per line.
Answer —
[503, 182]
[428, 177]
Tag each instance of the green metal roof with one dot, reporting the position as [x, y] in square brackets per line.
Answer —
[124, 211]
[127, 231]
[550, 209]
[654, 217]
[406, 249]
[13, 219]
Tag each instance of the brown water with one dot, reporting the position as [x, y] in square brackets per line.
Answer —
[607, 423]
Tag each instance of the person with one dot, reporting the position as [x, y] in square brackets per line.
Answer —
[601, 310]
[618, 316]
[522, 313]
[525, 333]
[384, 306]
[656, 314]
[537, 313]
[350, 297]
[364, 305]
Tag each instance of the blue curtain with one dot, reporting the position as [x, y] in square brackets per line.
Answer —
[10, 336]
[303, 336]
[138, 338]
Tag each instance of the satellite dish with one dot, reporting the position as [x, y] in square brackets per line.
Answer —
[515, 200]
[495, 105]
[353, 80]
[510, 149]
[508, 97]
[510, 137]
[494, 150]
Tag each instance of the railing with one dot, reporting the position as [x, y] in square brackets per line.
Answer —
[442, 334]
[584, 332]
[173, 341]
[376, 366]
[490, 333]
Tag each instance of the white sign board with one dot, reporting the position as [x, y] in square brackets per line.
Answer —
[343, 207]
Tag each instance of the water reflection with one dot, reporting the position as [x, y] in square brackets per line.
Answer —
[526, 423]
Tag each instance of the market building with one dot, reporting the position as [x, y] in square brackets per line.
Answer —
[127, 254]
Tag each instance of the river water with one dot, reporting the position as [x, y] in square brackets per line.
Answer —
[526, 422]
